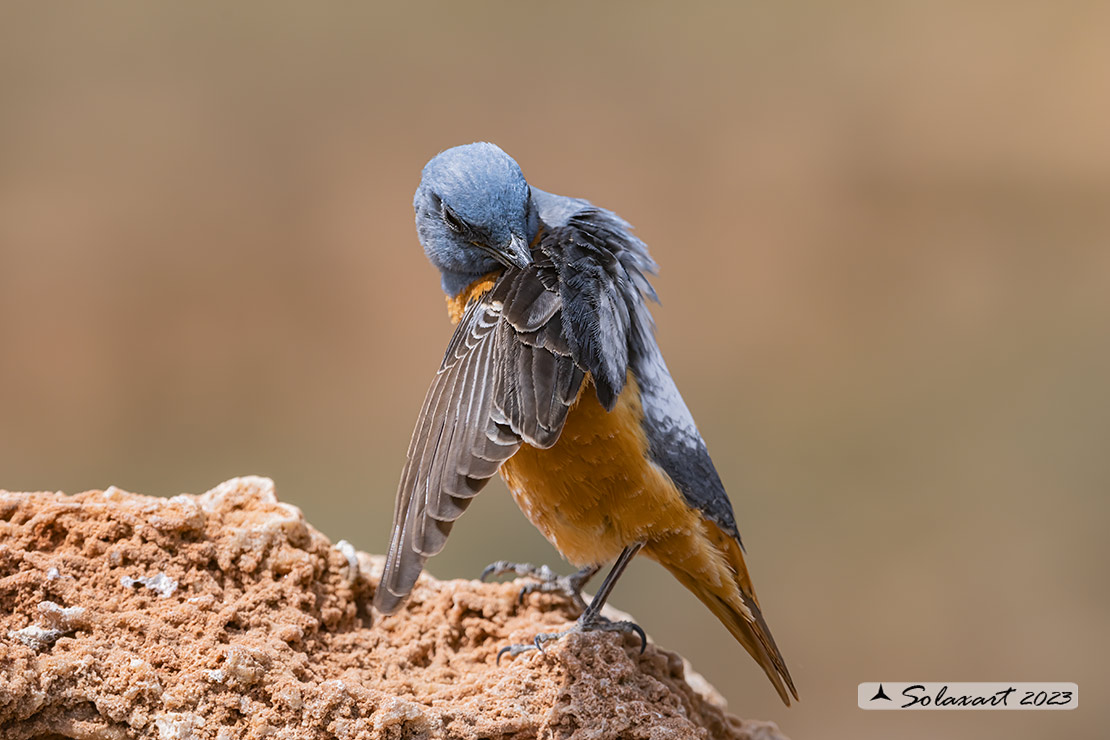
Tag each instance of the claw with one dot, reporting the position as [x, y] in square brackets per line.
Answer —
[595, 624]
[497, 568]
[546, 580]
[543, 637]
[527, 570]
[591, 618]
[639, 633]
[514, 650]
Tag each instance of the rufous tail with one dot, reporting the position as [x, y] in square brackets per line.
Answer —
[744, 618]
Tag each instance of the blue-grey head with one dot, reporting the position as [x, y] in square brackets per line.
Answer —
[474, 214]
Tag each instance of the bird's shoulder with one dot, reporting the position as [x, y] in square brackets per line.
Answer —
[600, 270]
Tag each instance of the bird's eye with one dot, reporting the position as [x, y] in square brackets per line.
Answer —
[453, 221]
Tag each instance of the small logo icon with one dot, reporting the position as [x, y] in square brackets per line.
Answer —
[880, 694]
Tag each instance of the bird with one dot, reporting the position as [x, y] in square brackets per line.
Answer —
[553, 378]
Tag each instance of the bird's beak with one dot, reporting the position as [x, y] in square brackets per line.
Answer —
[514, 253]
[518, 252]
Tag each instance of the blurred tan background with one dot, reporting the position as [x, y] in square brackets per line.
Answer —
[884, 233]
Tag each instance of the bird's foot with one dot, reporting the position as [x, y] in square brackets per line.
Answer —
[545, 580]
[586, 623]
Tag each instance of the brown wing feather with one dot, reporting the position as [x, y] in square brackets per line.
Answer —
[507, 377]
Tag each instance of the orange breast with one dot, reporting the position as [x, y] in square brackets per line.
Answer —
[595, 491]
[456, 305]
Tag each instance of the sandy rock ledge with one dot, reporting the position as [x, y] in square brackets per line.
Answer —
[226, 615]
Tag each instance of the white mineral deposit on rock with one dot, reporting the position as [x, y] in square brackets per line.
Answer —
[160, 583]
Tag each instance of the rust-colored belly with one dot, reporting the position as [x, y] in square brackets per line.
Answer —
[595, 491]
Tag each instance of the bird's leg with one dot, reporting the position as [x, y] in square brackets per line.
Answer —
[546, 580]
[591, 619]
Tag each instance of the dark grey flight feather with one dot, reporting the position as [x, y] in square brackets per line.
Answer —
[507, 377]
[512, 369]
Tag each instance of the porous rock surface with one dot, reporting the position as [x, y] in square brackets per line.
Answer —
[225, 615]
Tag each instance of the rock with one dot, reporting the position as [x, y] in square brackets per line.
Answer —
[226, 615]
